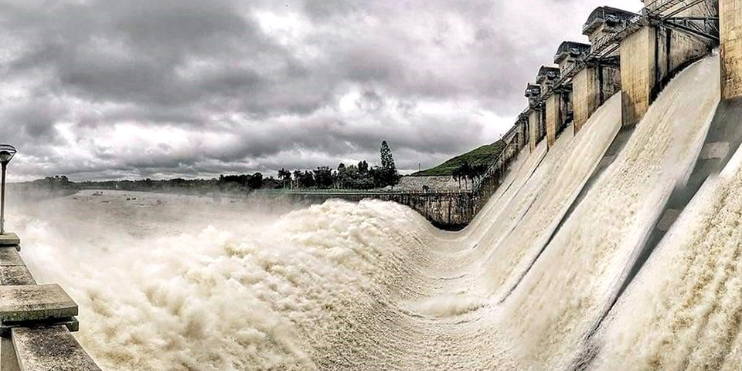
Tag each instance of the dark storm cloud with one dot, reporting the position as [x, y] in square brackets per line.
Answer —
[109, 88]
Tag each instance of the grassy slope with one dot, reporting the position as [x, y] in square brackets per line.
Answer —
[483, 155]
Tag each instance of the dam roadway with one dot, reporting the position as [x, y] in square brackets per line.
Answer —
[37, 320]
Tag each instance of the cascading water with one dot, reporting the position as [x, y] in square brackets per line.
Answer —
[684, 310]
[175, 283]
[572, 167]
[186, 283]
[570, 286]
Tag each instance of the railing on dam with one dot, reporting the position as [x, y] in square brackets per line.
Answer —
[344, 192]
[659, 12]
[451, 210]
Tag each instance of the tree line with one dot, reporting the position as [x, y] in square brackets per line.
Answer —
[354, 176]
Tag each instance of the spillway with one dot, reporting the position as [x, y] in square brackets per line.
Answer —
[189, 283]
[572, 166]
[684, 310]
[568, 289]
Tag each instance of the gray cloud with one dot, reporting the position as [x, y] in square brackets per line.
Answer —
[107, 89]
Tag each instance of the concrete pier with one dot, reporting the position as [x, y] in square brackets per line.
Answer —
[637, 74]
[533, 116]
[554, 114]
[600, 79]
[730, 18]
[651, 56]
[569, 56]
[534, 124]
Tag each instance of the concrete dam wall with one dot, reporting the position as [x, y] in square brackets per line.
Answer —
[449, 211]
[587, 199]
[634, 55]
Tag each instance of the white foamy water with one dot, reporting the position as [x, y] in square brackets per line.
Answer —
[571, 285]
[179, 283]
[684, 310]
[187, 283]
[571, 167]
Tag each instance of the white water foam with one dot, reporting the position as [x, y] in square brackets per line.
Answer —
[684, 310]
[573, 282]
[179, 283]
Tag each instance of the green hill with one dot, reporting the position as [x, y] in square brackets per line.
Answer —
[483, 155]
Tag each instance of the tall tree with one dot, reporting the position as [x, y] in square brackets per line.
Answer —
[323, 177]
[305, 179]
[387, 160]
[285, 176]
[255, 181]
[389, 174]
[363, 167]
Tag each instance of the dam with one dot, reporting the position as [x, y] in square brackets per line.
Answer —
[606, 236]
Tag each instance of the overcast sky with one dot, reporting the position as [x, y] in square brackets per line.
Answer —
[106, 89]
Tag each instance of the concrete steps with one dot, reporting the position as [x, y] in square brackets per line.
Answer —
[29, 303]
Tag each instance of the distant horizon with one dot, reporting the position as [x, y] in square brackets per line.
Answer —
[405, 172]
[128, 89]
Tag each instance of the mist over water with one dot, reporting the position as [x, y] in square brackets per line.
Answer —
[170, 282]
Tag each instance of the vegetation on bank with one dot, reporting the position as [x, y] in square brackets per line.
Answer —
[354, 176]
[482, 157]
[465, 169]
[41, 189]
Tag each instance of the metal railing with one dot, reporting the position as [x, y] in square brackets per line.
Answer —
[609, 43]
[351, 192]
[658, 7]
[602, 48]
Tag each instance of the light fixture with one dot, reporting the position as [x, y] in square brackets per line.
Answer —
[6, 154]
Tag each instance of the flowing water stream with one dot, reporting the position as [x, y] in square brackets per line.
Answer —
[169, 282]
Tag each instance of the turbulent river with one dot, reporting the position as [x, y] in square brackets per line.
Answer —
[170, 282]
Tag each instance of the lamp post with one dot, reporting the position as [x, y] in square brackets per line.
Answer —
[6, 154]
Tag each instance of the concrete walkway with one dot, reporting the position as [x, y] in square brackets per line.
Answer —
[36, 320]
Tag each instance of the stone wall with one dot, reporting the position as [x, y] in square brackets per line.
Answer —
[449, 211]
[433, 184]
